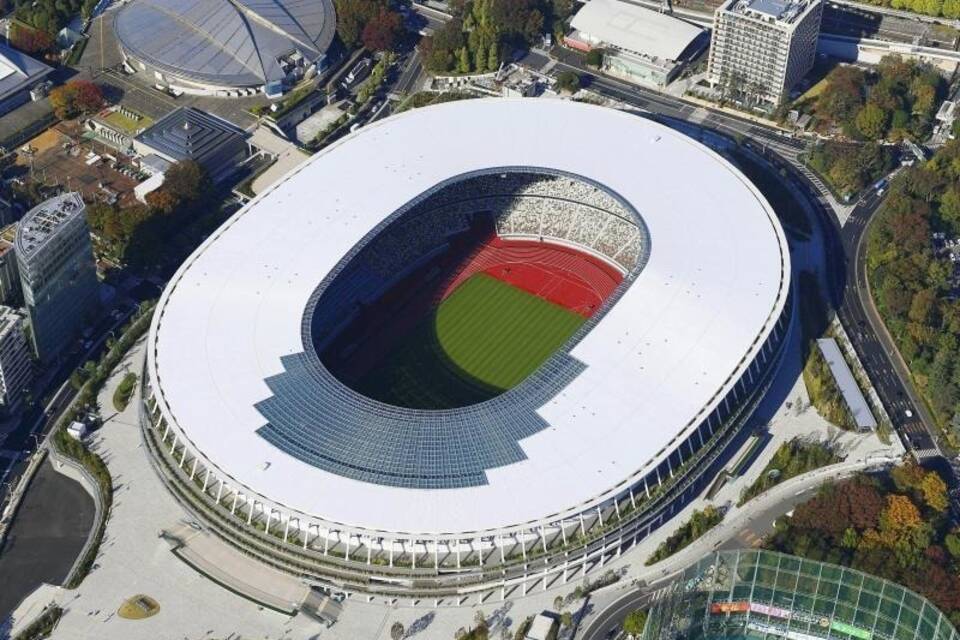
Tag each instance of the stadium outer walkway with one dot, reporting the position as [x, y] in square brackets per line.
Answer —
[136, 560]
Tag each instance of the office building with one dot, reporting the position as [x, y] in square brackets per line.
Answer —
[57, 273]
[16, 368]
[762, 48]
[9, 273]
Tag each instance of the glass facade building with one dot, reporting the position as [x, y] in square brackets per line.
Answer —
[764, 595]
[57, 272]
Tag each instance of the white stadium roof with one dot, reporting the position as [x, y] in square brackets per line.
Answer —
[635, 28]
[684, 330]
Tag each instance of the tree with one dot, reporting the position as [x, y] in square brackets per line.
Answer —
[568, 81]
[397, 630]
[635, 622]
[75, 98]
[595, 58]
[493, 57]
[352, 18]
[872, 121]
[950, 207]
[32, 41]
[934, 491]
[842, 95]
[383, 30]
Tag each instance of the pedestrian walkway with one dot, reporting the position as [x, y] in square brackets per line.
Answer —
[134, 559]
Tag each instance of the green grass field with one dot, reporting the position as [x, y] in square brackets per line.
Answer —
[485, 338]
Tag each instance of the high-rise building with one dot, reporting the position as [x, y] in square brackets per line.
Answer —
[57, 273]
[9, 273]
[16, 369]
[760, 49]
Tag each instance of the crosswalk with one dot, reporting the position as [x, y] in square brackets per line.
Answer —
[924, 454]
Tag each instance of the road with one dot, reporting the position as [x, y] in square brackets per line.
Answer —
[610, 621]
[845, 247]
[36, 425]
[870, 338]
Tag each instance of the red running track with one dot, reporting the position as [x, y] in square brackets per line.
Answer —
[564, 276]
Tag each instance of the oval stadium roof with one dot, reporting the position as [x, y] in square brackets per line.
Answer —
[682, 333]
[231, 43]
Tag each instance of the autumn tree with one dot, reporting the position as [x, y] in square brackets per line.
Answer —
[383, 30]
[77, 97]
[872, 121]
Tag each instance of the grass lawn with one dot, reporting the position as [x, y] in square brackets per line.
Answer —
[483, 339]
[127, 124]
[138, 607]
[124, 391]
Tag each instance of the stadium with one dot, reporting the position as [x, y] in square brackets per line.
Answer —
[226, 47]
[461, 350]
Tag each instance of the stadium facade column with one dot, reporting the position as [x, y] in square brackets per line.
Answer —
[252, 505]
[219, 490]
[174, 445]
[326, 540]
[436, 554]
[193, 470]
[206, 478]
[269, 521]
[233, 508]
[390, 561]
[458, 554]
[183, 456]
[523, 545]
[369, 551]
[286, 529]
[633, 503]
[543, 539]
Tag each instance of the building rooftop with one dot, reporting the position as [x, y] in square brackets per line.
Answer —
[42, 222]
[9, 319]
[228, 43]
[859, 409]
[778, 10]
[635, 28]
[18, 71]
[680, 336]
[189, 134]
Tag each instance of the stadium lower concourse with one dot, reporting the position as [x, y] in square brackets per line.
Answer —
[471, 348]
